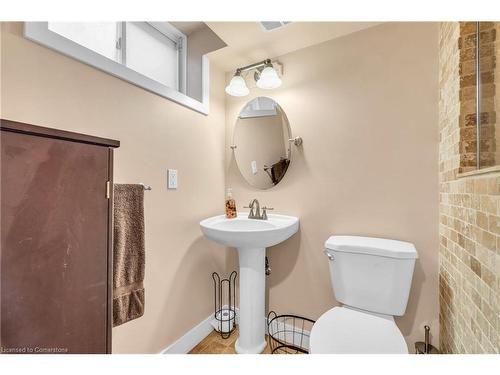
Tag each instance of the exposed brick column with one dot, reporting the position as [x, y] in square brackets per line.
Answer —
[469, 207]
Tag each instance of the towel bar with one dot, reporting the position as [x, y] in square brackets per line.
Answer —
[146, 187]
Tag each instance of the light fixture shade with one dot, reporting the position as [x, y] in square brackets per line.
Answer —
[269, 79]
[237, 87]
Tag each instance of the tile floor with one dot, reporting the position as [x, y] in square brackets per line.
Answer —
[214, 344]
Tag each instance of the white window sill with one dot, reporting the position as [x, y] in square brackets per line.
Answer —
[39, 33]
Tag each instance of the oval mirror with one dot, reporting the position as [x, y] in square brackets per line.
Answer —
[260, 143]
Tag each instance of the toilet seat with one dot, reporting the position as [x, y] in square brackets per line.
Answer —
[343, 330]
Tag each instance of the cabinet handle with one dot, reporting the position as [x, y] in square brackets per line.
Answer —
[108, 189]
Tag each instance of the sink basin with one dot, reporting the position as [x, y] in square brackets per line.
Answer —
[250, 237]
[249, 233]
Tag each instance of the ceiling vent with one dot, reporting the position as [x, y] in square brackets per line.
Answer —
[273, 25]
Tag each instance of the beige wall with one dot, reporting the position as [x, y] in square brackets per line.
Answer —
[366, 107]
[42, 87]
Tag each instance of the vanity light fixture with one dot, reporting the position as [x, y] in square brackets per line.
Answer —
[268, 78]
[265, 77]
[237, 86]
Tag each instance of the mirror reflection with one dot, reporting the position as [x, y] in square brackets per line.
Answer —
[260, 143]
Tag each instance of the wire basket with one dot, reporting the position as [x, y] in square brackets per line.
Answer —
[288, 334]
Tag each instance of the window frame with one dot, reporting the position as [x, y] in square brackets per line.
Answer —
[39, 32]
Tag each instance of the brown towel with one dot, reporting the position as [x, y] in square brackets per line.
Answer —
[128, 253]
[278, 170]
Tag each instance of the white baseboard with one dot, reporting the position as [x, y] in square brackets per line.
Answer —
[195, 335]
[190, 339]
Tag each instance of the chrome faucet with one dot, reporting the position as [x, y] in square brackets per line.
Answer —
[254, 213]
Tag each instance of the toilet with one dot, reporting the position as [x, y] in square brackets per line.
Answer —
[371, 277]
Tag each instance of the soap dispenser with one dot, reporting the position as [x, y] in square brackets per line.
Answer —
[230, 205]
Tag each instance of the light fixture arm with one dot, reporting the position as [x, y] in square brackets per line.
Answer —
[260, 64]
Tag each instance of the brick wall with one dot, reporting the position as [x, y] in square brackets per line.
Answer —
[469, 253]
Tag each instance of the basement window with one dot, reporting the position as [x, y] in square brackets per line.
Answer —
[151, 55]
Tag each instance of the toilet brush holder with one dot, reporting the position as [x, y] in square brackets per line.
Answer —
[224, 304]
[425, 347]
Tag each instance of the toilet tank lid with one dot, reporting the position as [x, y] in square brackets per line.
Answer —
[372, 246]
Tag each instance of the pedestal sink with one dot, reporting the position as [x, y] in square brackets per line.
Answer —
[250, 237]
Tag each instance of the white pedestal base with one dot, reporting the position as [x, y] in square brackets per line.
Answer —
[252, 295]
[255, 350]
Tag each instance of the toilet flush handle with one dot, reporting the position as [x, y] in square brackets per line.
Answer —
[330, 256]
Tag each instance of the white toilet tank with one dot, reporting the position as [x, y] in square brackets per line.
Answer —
[371, 274]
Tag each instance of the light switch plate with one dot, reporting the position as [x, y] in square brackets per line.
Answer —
[172, 178]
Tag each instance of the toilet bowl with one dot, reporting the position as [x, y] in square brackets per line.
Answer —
[343, 330]
[371, 277]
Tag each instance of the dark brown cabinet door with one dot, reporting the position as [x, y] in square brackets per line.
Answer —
[54, 245]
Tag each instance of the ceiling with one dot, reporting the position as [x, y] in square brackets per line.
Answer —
[248, 43]
[187, 28]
